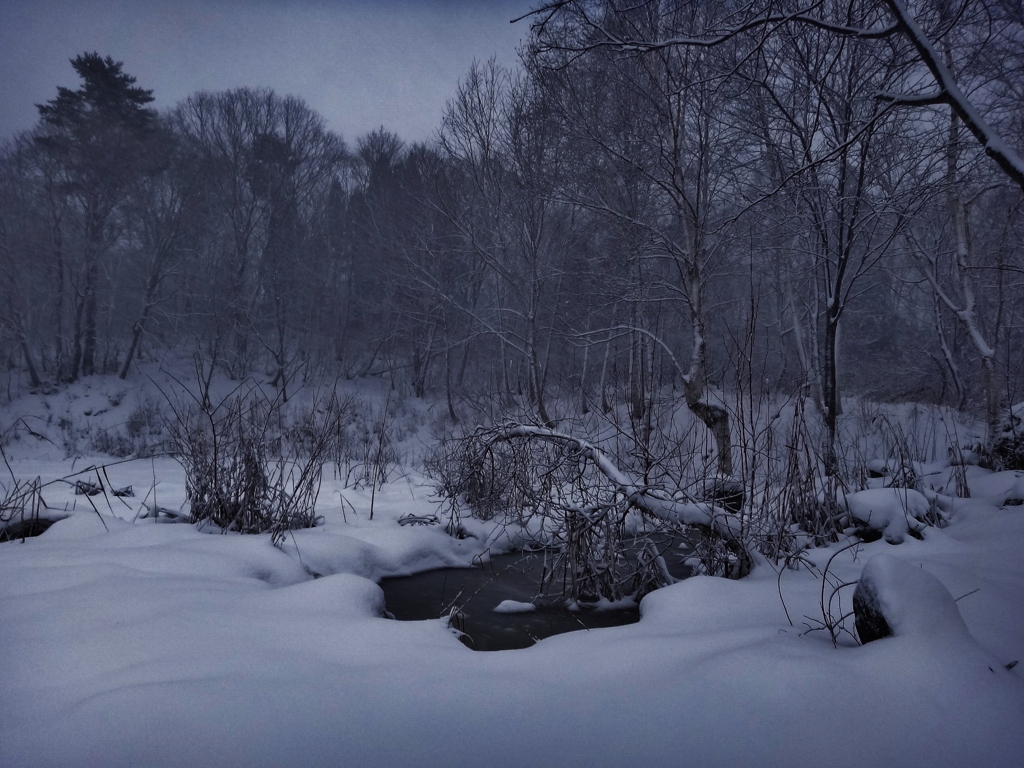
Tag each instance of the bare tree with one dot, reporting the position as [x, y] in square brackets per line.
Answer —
[17, 234]
[157, 217]
[833, 162]
[750, 24]
[661, 156]
[268, 161]
[499, 132]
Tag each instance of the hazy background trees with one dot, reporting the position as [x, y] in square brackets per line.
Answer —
[662, 196]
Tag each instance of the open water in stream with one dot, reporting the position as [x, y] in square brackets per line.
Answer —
[475, 592]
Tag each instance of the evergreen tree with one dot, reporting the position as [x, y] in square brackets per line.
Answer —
[98, 135]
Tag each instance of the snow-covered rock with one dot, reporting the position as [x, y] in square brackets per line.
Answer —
[514, 606]
[898, 599]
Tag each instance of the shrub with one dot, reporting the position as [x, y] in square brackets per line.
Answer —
[364, 451]
[242, 472]
[112, 442]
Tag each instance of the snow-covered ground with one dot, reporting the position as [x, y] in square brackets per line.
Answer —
[152, 644]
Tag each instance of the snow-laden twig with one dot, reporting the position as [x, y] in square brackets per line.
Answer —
[651, 501]
[950, 92]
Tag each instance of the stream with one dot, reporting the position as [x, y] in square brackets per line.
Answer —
[476, 592]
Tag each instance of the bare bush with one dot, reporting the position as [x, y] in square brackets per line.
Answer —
[574, 499]
[1007, 451]
[805, 498]
[113, 442]
[364, 452]
[243, 473]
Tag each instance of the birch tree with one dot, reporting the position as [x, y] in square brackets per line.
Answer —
[661, 157]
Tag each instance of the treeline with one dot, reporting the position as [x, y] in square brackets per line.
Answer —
[664, 196]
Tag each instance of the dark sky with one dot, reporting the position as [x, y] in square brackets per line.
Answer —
[359, 63]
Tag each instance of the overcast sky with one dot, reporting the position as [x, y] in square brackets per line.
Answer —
[359, 63]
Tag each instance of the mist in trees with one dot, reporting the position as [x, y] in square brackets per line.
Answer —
[663, 203]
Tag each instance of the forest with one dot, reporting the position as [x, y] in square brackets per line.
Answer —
[620, 214]
[743, 276]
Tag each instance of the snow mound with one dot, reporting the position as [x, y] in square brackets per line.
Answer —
[514, 606]
[893, 512]
[998, 488]
[896, 598]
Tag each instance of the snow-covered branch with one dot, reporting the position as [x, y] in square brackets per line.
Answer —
[607, 38]
[651, 501]
[995, 147]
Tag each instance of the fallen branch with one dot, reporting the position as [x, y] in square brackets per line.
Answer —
[708, 518]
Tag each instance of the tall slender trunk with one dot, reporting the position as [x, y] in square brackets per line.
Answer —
[139, 327]
[89, 318]
[605, 405]
[830, 391]
[57, 243]
[33, 372]
[89, 288]
[713, 416]
[448, 382]
[76, 343]
[947, 356]
[537, 385]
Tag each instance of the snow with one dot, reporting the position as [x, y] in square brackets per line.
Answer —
[891, 511]
[135, 643]
[913, 602]
[514, 606]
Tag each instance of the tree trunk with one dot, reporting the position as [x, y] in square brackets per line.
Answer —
[33, 372]
[139, 326]
[92, 272]
[76, 344]
[448, 384]
[57, 242]
[830, 393]
[991, 379]
[714, 417]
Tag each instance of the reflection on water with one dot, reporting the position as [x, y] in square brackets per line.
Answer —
[474, 593]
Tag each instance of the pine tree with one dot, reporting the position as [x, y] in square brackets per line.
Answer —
[99, 136]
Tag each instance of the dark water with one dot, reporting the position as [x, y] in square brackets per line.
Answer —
[475, 592]
[25, 529]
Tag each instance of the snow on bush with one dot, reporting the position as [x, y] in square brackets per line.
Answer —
[893, 512]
